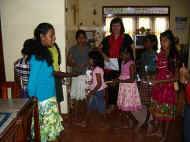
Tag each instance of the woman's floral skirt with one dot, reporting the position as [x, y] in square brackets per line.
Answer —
[50, 120]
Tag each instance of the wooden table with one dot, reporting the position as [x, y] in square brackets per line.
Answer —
[15, 119]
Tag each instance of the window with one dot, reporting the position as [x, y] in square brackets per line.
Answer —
[127, 22]
[107, 25]
[144, 22]
[161, 24]
[129, 25]
[156, 19]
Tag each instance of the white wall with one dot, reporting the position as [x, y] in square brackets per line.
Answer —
[20, 17]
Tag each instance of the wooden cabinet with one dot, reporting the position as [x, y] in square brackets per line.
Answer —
[17, 127]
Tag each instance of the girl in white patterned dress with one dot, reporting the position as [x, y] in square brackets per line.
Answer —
[128, 96]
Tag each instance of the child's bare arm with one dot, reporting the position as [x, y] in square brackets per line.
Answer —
[70, 61]
[99, 83]
[60, 74]
[103, 54]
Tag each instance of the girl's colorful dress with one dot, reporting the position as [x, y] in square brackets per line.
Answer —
[147, 60]
[42, 85]
[78, 84]
[96, 101]
[163, 94]
[128, 96]
[50, 120]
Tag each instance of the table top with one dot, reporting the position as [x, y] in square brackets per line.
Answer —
[12, 105]
[9, 110]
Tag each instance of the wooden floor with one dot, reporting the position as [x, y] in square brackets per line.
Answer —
[113, 130]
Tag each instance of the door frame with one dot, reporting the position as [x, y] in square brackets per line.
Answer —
[2, 64]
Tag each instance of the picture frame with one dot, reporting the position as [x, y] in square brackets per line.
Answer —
[91, 36]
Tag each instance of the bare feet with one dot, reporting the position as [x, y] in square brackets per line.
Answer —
[136, 127]
[150, 129]
[156, 133]
[124, 121]
[144, 125]
[110, 109]
[163, 139]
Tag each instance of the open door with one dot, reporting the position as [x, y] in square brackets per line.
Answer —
[2, 65]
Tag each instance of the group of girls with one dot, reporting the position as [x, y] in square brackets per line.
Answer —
[161, 72]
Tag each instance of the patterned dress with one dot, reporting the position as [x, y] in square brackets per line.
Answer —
[50, 120]
[147, 59]
[22, 70]
[128, 96]
[42, 86]
[78, 84]
[145, 93]
[163, 94]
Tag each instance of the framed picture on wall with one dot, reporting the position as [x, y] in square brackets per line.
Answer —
[91, 37]
[94, 35]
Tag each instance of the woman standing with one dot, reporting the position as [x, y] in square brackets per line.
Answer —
[111, 47]
[42, 83]
[78, 60]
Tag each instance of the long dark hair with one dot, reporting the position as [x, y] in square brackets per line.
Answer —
[153, 39]
[28, 48]
[42, 52]
[173, 54]
[116, 21]
[97, 58]
[80, 32]
[155, 42]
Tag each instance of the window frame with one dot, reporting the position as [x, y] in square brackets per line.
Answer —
[136, 16]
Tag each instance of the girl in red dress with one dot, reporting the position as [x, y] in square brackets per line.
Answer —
[163, 105]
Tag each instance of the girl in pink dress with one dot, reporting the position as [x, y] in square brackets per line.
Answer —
[163, 105]
[128, 96]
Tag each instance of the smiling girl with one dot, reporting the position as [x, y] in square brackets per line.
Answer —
[42, 84]
[163, 105]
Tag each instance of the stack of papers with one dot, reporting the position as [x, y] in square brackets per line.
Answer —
[112, 64]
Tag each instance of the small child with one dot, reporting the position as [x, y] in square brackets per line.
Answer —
[96, 94]
[148, 70]
[22, 68]
[128, 96]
